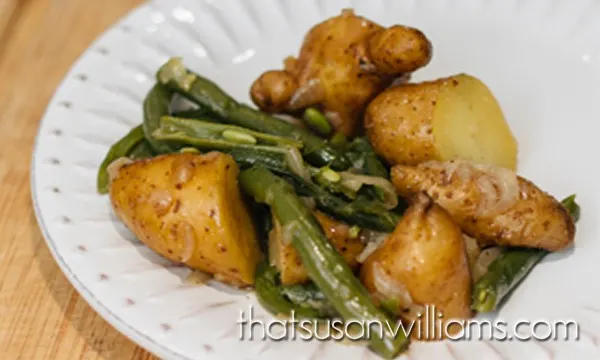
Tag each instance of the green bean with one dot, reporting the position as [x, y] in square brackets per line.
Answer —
[315, 120]
[156, 105]
[310, 297]
[199, 113]
[509, 269]
[208, 95]
[121, 148]
[363, 157]
[324, 264]
[142, 150]
[503, 275]
[208, 136]
[572, 207]
[339, 141]
[270, 295]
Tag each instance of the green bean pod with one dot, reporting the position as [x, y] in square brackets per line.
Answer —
[156, 105]
[324, 264]
[271, 297]
[122, 148]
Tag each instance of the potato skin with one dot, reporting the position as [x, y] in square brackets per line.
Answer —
[172, 201]
[535, 220]
[450, 118]
[399, 49]
[289, 264]
[273, 90]
[425, 256]
[398, 122]
[335, 70]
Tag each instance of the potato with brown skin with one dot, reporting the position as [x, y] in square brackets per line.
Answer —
[285, 258]
[338, 71]
[399, 49]
[189, 209]
[273, 89]
[450, 118]
[489, 205]
[422, 263]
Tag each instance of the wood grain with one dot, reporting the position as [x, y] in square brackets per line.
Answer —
[41, 315]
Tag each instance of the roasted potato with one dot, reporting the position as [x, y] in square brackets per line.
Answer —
[451, 118]
[343, 63]
[285, 258]
[491, 204]
[422, 263]
[189, 209]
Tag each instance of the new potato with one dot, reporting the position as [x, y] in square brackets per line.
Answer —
[188, 208]
[423, 262]
[343, 63]
[450, 118]
[493, 205]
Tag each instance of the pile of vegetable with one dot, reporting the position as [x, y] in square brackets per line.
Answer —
[316, 221]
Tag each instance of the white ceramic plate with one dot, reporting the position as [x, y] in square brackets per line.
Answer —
[540, 57]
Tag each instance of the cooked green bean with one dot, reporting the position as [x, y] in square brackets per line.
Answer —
[310, 297]
[210, 96]
[142, 150]
[363, 157]
[271, 297]
[315, 120]
[572, 207]
[124, 147]
[208, 136]
[509, 269]
[156, 105]
[324, 264]
[199, 113]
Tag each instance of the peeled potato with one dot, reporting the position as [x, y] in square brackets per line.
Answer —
[285, 258]
[451, 118]
[422, 263]
[189, 209]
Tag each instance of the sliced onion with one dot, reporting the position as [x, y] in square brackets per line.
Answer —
[484, 260]
[182, 170]
[187, 234]
[472, 248]
[288, 231]
[390, 288]
[355, 181]
[500, 187]
[374, 241]
[497, 187]
[161, 200]
[274, 243]
[296, 163]
[309, 94]
[291, 119]
[115, 166]
[197, 277]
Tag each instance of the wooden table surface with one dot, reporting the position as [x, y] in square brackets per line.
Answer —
[41, 315]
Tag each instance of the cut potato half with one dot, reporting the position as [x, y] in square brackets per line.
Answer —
[468, 123]
[446, 119]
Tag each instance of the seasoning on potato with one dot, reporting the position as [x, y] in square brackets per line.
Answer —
[189, 209]
[491, 204]
[450, 118]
